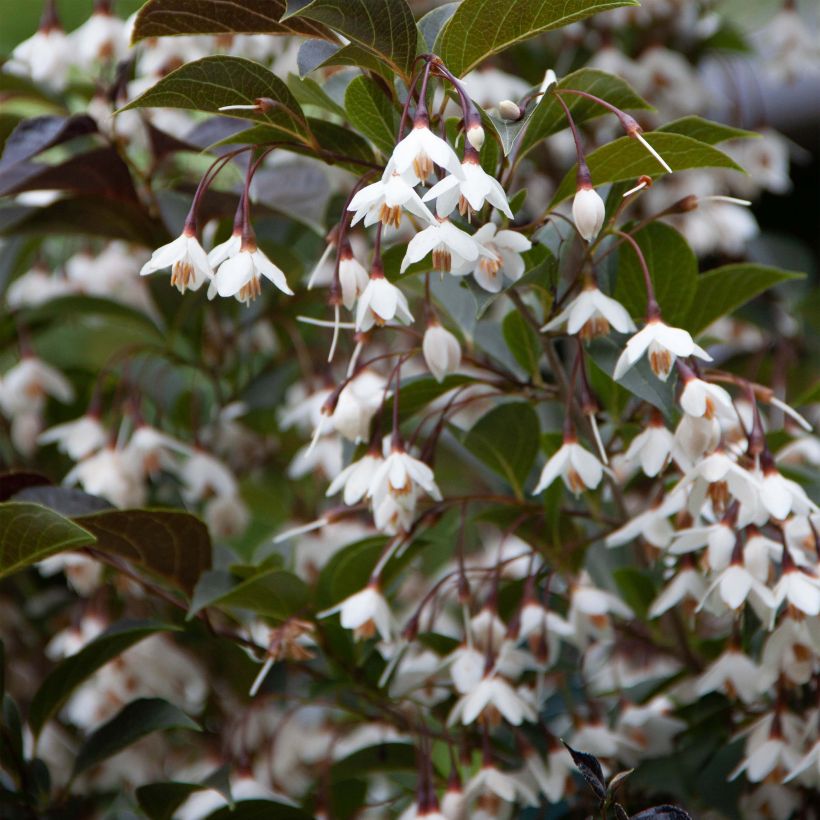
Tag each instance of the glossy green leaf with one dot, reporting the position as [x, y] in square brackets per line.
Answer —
[214, 82]
[433, 22]
[348, 570]
[259, 810]
[134, 721]
[722, 290]
[418, 392]
[705, 130]
[626, 158]
[672, 266]
[308, 92]
[160, 800]
[158, 18]
[172, 544]
[506, 440]
[30, 533]
[383, 27]
[71, 672]
[274, 594]
[371, 110]
[386, 757]
[481, 28]
[522, 341]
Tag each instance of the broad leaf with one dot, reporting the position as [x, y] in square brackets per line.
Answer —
[626, 158]
[433, 22]
[386, 757]
[348, 570]
[522, 341]
[308, 92]
[666, 812]
[67, 501]
[672, 267]
[273, 594]
[30, 533]
[134, 721]
[722, 290]
[33, 136]
[214, 82]
[17, 481]
[159, 18]
[161, 800]
[418, 392]
[506, 440]
[71, 672]
[259, 810]
[371, 110]
[170, 543]
[383, 27]
[705, 130]
[481, 28]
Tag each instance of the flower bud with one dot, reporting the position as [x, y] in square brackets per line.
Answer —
[475, 136]
[588, 211]
[510, 110]
[442, 351]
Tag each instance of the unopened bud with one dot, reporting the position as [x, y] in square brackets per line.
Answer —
[682, 206]
[510, 110]
[475, 136]
[588, 212]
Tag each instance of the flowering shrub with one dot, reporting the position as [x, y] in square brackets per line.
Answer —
[444, 481]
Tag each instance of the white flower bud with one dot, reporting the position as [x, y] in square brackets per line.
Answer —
[588, 211]
[442, 351]
[475, 136]
[509, 110]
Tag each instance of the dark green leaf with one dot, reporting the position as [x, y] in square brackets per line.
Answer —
[170, 543]
[259, 810]
[522, 341]
[273, 594]
[30, 533]
[159, 18]
[481, 28]
[506, 440]
[214, 82]
[134, 721]
[636, 588]
[384, 27]
[706, 131]
[348, 570]
[672, 266]
[71, 672]
[387, 757]
[371, 110]
[160, 800]
[431, 24]
[419, 391]
[626, 158]
[723, 290]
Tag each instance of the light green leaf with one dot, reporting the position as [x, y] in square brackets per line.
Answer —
[522, 341]
[706, 131]
[30, 533]
[71, 672]
[481, 28]
[158, 18]
[371, 111]
[672, 267]
[214, 82]
[273, 594]
[383, 27]
[626, 158]
[308, 92]
[134, 721]
[506, 440]
[434, 21]
[723, 290]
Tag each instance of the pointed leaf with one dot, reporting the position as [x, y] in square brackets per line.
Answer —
[134, 721]
[272, 594]
[705, 130]
[36, 134]
[481, 28]
[30, 533]
[590, 770]
[522, 341]
[259, 810]
[371, 111]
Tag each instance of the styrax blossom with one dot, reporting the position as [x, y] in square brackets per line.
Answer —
[241, 274]
[492, 699]
[357, 404]
[353, 277]
[187, 259]
[365, 612]
[780, 495]
[686, 586]
[588, 211]
[204, 475]
[419, 150]
[662, 345]
[799, 588]
[400, 474]
[492, 781]
[468, 190]
[111, 474]
[652, 524]
[46, 55]
[380, 303]
[451, 247]
[590, 315]
[578, 468]
[734, 674]
[700, 398]
[28, 383]
[101, 38]
[383, 201]
[652, 447]
[227, 249]
[441, 350]
[503, 260]
[355, 479]
[78, 438]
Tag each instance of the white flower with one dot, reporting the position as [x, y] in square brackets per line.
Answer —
[504, 259]
[800, 589]
[468, 191]
[651, 447]
[781, 496]
[35, 287]
[419, 150]
[491, 697]
[26, 385]
[353, 278]
[686, 584]
[45, 57]
[441, 350]
[735, 584]
[78, 438]
[226, 250]
[383, 201]
[110, 474]
[381, 302]
[578, 468]
[733, 673]
[452, 248]
[662, 344]
[588, 212]
[187, 260]
[356, 405]
[366, 612]
[226, 516]
[240, 275]
[400, 474]
[203, 476]
[355, 479]
[508, 788]
[591, 313]
[101, 38]
[699, 398]
[653, 524]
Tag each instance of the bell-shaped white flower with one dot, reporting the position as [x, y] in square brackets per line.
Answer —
[353, 278]
[111, 474]
[662, 344]
[469, 191]
[226, 250]
[45, 56]
[590, 315]
[367, 613]
[241, 275]
[452, 248]
[400, 474]
[652, 447]
[588, 212]
[25, 386]
[355, 479]
[441, 350]
[380, 303]
[780, 495]
[799, 588]
[699, 398]
[78, 438]
[203, 476]
[492, 697]
[687, 585]
[102, 38]
[356, 405]
[187, 259]
[652, 524]
[502, 260]
[579, 469]
[383, 201]
[420, 150]
[733, 673]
